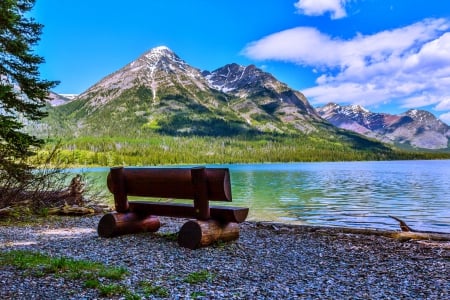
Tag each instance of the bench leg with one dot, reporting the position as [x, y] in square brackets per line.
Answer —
[196, 233]
[114, 224]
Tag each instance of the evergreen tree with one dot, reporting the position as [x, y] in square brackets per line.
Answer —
[22, 93]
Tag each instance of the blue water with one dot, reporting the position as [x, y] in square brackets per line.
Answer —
[350, 194]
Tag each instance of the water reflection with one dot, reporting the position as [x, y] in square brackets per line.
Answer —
[358, 194]
[361, 194]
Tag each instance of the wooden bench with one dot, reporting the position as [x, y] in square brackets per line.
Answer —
[200, 184]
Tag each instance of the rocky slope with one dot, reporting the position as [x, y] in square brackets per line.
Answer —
[415, 128]
[160, 92]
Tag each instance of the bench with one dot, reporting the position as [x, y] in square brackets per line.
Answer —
[208, 223]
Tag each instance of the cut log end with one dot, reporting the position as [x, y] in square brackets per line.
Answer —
[195, 234]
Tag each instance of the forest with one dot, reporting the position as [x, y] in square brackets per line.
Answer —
[164, 149]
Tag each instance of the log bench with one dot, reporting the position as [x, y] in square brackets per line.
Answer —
[208, 223]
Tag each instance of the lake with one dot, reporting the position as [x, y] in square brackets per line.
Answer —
[350, 194]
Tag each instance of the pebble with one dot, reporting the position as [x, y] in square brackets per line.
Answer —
[266, 262]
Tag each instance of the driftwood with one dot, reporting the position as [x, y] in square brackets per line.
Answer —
[72, 195]
[6, 211]
[71, 210]
[399, 235]
[408, 233]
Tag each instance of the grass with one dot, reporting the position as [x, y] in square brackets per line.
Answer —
[108, 290]
[38, 265]
[169, 236]
[199, 277]
[63, 266]
[150, 289]
[195, 295]
[93, 275]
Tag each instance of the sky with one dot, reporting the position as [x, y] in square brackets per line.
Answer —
[386, 55]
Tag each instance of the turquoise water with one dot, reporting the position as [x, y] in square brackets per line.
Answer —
[351, 194]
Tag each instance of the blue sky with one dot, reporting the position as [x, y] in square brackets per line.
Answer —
[386, 55]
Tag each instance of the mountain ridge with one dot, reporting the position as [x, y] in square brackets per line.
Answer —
[415, 128]
[159, 91]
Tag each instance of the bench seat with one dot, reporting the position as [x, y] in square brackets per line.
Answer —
[221, 213]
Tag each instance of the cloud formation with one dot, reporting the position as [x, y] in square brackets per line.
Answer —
[320, 7]
[409, 64]
[445, 117]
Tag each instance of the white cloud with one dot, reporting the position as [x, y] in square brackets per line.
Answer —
[409, 64]
[444, 104]
[445, 118]
[320, 7]
[302, 45]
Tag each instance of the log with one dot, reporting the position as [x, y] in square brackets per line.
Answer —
[200, 186]
[115, 224]
[223, 214]
[71, 210]
[116, 178]
[415, 235]
[160, 183]
[408, 233]
[6, 210]
[195, 234]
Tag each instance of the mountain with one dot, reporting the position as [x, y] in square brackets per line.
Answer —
[160, 92]
[262, 96]
[415, 128]
[58, 99]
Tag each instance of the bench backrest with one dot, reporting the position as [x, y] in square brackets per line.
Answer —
[200, 184]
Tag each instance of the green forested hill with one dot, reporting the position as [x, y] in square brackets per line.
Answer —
[160, 110]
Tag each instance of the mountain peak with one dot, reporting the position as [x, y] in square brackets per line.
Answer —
[419, 114]
[159, 52]
[161, 48]
[233, 77]
[358, 108]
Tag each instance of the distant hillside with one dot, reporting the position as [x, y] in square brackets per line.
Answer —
[145, 112]
[414, 128]
[159, 92]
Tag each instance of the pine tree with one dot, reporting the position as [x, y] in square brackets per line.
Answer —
[22, 93]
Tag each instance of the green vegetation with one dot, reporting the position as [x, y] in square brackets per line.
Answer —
[94, 275]
[196, 295]
[104, 279]
[170, 236]
[199, 277]
[19, 69]
[178, 127]
[38, 265]
[150, 289]
[160, 149]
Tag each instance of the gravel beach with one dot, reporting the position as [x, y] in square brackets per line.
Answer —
[269, 261]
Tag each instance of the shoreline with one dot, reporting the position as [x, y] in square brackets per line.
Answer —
[268, 261]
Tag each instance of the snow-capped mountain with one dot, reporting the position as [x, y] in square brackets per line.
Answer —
[262, 93]
[417, 128]
[160, 91]
[158, 70]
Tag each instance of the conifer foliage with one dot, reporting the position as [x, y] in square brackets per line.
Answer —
[22, 93]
